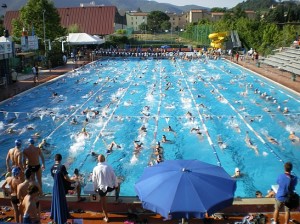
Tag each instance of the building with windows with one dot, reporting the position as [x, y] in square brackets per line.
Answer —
[135, 19]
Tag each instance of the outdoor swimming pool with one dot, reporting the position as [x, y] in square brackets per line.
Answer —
[221, 99]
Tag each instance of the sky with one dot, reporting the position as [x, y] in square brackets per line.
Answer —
[205, 3]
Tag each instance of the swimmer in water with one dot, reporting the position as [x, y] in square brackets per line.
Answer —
[94, 154]
[158, 150]
[30, 127]
[143, 129]
[84, 133]
[237, 173]
[236, 127]
[43, 146]
[36, 135]
[74, 121]
[221, 144]
[111, 145]
[10, 131]
[165, 140]
[169, 129]
[293, 137]
[272, 140]
[159, 159]
[137, 147]
[250, 144]
[195, 129]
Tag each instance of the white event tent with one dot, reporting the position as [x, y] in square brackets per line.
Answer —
[81, 39]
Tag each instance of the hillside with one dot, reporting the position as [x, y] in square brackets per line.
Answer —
[256, 5]
[144, 5]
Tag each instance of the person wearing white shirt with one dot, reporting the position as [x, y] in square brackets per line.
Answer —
[104, 180]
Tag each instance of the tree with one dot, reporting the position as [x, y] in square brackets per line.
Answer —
[239, 12]
[155, 20]
[143, 27]
[165, 25]
[33, 16]
[74, 28]
[217, 9]
[1, 23]
[121, 32]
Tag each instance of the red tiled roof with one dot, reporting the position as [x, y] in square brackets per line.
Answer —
[92, 20]
[9, 16]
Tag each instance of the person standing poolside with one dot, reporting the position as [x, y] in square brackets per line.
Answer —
[22, 190]
[33, 154]
[14, 156]
[36, 76]
[104, 180]
[61, 186]
[287, 182]
[13, 182]
[31, 211]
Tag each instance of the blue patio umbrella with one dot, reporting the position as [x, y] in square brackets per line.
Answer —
[165, 46]
[59, 207]
[185, 189]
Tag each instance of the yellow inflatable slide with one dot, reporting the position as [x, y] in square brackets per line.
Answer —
[217, 39]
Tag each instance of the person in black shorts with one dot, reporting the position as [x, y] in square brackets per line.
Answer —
[104, 181]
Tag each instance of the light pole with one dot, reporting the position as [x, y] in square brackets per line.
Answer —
[44, 29]
[144, 30]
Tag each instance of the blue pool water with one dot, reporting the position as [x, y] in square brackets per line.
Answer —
[129, 93]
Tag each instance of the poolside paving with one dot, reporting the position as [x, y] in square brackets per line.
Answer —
[279, 76]
[25, 81]
[89, 217]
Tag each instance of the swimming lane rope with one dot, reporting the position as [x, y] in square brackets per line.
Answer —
[201, 118]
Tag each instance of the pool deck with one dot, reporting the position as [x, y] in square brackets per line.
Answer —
[25, 82]
[118, 212]
[279, 76]
[89, 211]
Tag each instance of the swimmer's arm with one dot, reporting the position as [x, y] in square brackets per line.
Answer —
[4, 184]
[20, 161]
[67, 178]
[24, 158]
[43, 159]
[7, 181]
[7, 162]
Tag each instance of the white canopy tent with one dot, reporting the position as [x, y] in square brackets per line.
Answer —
[83, 39]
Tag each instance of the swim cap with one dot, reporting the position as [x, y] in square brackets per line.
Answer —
[18, 142]
[237, 169]
[15, 171]
[31, 141]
